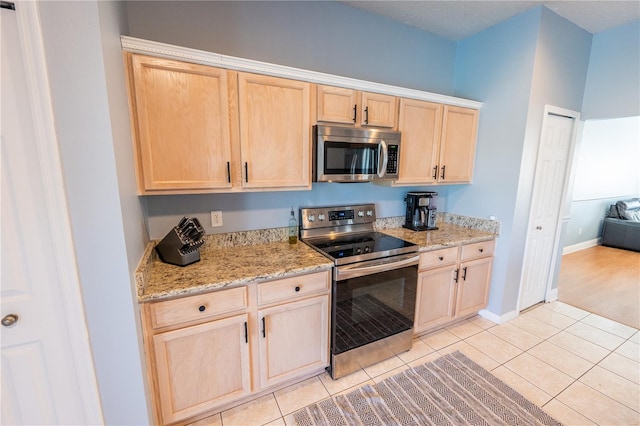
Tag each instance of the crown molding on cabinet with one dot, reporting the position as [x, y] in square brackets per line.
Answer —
[136, 45]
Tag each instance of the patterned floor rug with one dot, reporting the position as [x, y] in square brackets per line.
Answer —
[452, 390]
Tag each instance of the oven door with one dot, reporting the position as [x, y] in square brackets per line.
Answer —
[372, 301]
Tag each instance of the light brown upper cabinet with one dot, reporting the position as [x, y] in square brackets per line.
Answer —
[200, 129]
[438, 143]
[458, 147]
[275, 132]
[420, 125]
[180, 121]
[361, 109]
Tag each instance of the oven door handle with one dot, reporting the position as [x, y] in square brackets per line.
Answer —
[372, 267]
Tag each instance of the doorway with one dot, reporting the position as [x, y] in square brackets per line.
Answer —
[550, 185]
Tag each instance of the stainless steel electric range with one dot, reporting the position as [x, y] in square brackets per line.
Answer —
[374, 285]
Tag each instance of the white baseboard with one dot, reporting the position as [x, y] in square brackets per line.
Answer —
[552, 296]
[581, 246]
[498, 319]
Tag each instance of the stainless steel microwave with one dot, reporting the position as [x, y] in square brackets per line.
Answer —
[345, 154]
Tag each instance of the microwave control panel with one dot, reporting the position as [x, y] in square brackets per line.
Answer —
[392, 162]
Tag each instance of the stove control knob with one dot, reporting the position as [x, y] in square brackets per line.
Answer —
[360, 213]
[359, 250]
[320, 217]
[367, 249]
[311, 217]
[369, 213]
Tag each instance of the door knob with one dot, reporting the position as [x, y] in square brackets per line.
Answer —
[9, 320]
[538, 227]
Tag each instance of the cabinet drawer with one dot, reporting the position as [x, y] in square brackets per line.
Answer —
[202, 306]
[477, 250]
[290, 288]
[437, 258]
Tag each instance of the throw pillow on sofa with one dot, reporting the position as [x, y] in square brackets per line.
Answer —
[629, 209]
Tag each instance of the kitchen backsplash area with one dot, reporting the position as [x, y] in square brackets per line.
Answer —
[270, 235]
[266, 210]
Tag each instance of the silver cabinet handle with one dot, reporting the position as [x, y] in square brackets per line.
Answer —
[9, 320]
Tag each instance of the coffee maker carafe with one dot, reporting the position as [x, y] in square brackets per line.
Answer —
[421, 211]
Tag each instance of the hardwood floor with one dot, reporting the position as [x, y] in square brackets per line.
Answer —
[604, 281]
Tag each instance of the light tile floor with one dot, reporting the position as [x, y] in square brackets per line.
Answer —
[581, 368]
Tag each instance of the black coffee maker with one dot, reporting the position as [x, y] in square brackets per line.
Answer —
[421, 210]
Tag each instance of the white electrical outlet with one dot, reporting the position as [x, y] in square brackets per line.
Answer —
[216, 218]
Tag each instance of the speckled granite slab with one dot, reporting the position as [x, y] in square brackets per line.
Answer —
[221, 267]
[491, 226]
[238, 258]
[446, 235]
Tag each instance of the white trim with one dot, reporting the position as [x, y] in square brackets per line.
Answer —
[49, 163]
[581, 246]
[552, 296]
[136, 45]
[498, 319]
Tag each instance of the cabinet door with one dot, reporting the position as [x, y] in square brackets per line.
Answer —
[435, 298]
[201, 367]
[473, 286]
[294, 339]
[336, 105]
[275, 132]
[181, 125]
[457, 150]
[420, 124]
[379, 110]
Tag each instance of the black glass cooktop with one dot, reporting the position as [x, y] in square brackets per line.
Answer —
[362, 246]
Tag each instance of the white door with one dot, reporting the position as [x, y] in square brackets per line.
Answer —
[40, 364]
[548, 190]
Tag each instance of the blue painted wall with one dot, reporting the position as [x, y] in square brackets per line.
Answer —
[323, 36]
[613, 81]
[515, 68]
[261, 210]
[496, 66]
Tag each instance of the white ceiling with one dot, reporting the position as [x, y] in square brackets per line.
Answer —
[456, 20]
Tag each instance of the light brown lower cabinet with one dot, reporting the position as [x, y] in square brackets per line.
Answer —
[205, 352]
[473, 286]
[201, 366]
[294, 340]
[453, 283]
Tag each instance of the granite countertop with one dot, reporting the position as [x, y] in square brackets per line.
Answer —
[446, 235]
[223, 267]
[235, 259]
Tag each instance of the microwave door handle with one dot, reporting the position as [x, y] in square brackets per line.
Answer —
[382, 168]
